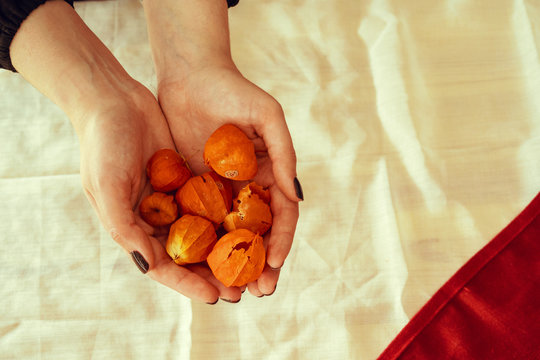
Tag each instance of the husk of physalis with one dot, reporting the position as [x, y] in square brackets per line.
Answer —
[167, 170]
[201, 196]
[158, 209]
[191, 239]
[237, 258]
[230, 153]
[251, 210]
[225, 188]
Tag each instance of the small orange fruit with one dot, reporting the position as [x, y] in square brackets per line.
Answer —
[230, 153]
[237, 258]
[158, 209]
[250, 210]
[191, 238]
[201, 196]
[167, 170]
[225, 188]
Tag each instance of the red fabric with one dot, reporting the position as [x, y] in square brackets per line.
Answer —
[490, 309]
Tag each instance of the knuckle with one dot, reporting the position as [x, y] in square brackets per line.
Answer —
[268, 109]
[115, 235]
[180, 280]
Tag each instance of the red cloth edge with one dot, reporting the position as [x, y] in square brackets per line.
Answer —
[438, 301]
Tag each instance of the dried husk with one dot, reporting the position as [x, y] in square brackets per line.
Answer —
[158, 209]
[201, 196]
[230, 153]
[167, 170]
[251, 210]
[237, 258]
[191, 239]
[225, 188]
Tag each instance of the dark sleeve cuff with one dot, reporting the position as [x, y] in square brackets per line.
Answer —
[12, 14]
[232, 3]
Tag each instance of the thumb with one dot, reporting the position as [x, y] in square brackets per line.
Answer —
[117, 216]
[116, 213]
[281, 151]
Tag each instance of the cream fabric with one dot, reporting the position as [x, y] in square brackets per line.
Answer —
[417, 130]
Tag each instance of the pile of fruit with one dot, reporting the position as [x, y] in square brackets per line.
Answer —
[197, 208]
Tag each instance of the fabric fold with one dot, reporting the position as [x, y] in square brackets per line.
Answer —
[489, 308]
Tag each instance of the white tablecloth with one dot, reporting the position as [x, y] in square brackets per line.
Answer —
[417, 131]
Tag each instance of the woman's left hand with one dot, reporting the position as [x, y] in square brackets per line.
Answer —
[205, 99]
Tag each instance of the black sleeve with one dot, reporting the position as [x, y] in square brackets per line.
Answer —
[12, 14]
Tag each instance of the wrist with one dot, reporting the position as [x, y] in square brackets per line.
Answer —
[56, 52]
[188, 36]
[103, 102]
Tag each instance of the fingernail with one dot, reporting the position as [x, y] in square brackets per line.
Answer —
[214, 303]
[230, 301]
[298, 189]
[139, 261]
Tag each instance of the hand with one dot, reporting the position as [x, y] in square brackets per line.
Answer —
[117, 139]
[119, 124]
[200, 89]
[198, 103]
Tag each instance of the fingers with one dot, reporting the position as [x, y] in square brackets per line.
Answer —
[113, 200]
[184, 281]
[281, 151]
[253, 289]
[231, 294]
[267, 282]
[285, 213]
[148, 254]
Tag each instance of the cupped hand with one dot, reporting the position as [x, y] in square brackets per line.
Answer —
[119, 124]
[117, 138]
[197, 104]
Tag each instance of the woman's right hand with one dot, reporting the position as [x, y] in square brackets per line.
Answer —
[117, 138]
[119, 124]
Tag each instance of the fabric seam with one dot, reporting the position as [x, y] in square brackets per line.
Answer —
[448, 296]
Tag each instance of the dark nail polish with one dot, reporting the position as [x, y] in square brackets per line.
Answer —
[139, 261]
[214, 303]
[232, 302]
[298, 189]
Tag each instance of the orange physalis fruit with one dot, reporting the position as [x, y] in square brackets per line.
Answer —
[238, 258]
[225, 188]
[158, 209]
[250, 210]
[201, 196]
[191, 238]
[167, 170]
[230, 153]
[254, 188]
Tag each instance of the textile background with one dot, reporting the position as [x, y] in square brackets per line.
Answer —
[417, 131]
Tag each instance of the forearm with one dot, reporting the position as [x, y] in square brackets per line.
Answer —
[57, 53]
[187, 35]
